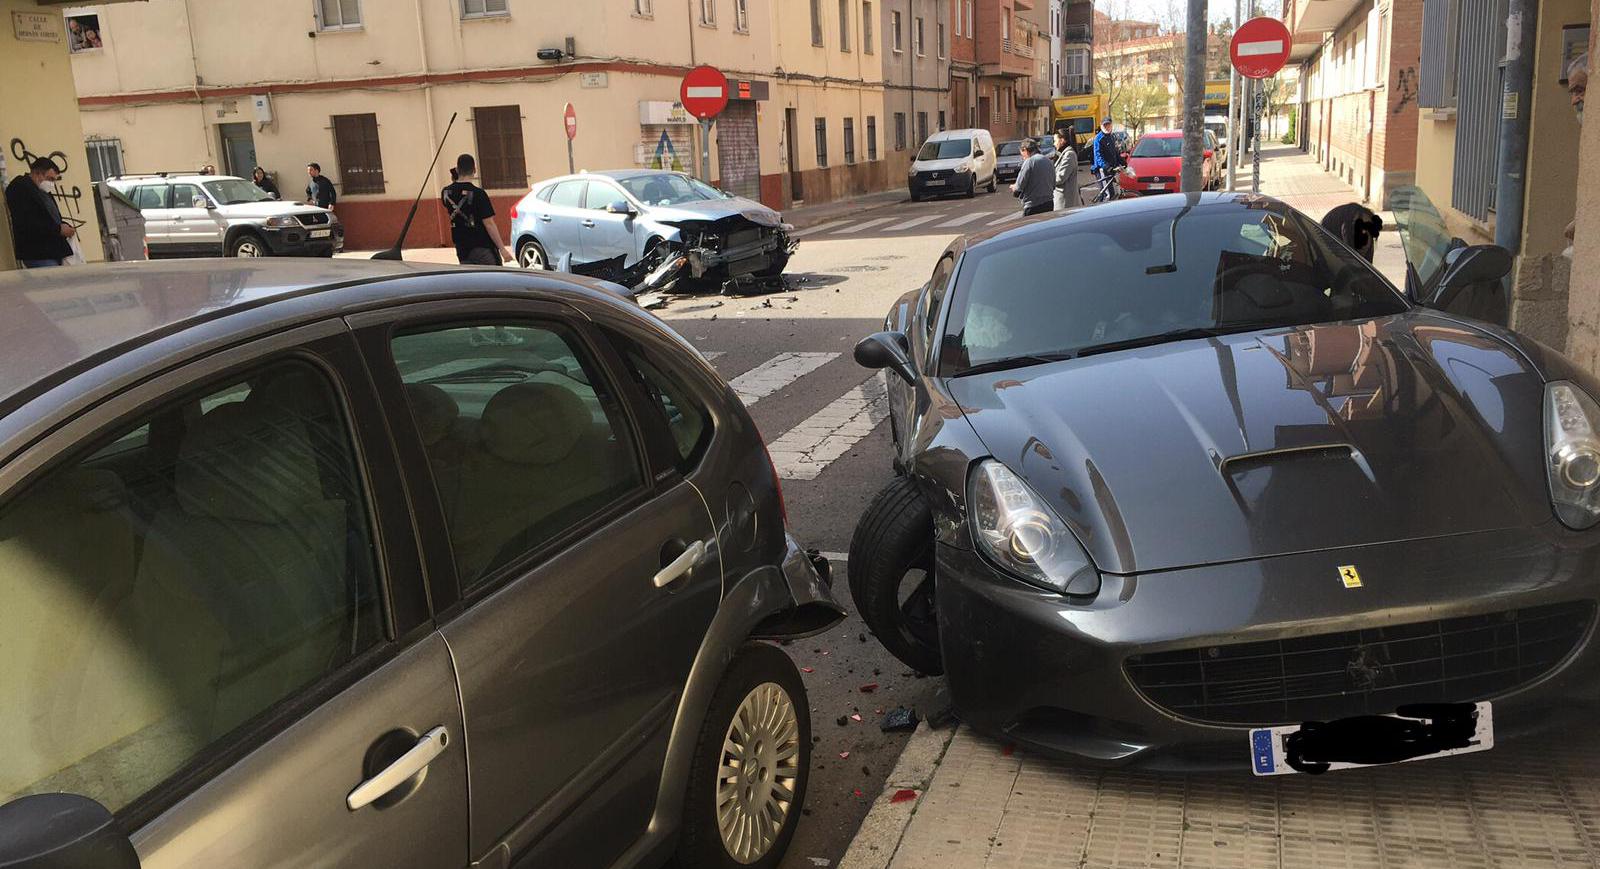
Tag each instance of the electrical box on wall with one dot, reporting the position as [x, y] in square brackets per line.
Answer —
[263, 108]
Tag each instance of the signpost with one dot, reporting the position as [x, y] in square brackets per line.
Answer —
[570, 118]
[1260, 48]
[704, 94]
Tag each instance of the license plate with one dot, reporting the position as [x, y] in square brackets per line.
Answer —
[1157, 186]
[1268, 755]
[937, 183]
[321, 233]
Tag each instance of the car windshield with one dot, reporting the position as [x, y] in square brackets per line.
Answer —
[1008, 149]
[945, 150]
[669, 188]
[235, 191]
[1162, 146]
[1149, 277]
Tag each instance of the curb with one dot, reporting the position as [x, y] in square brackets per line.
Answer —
[875, 843]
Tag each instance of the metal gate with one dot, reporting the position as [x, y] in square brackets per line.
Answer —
[1478, 96]
[738, 150]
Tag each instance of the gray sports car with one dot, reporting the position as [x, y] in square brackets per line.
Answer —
[1177, 468]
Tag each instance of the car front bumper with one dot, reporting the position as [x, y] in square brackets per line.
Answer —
[298, 240]
[954, 183]
[1053, 673]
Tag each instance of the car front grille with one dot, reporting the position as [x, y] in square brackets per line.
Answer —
[1157, 179]
[742, 237]
[1369, 671]
[319, 218]
[935, 174]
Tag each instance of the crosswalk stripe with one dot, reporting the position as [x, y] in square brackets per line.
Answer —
[965, 218]
[1015, 215]
[866, 224]
[915, 221]
[776, 373]
[801, 453]
[821, 227]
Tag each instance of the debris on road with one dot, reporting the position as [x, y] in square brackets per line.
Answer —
[898, 719]
[844, 755]
[808, 669]
[903, 795]
[855, 716]
[869, 687]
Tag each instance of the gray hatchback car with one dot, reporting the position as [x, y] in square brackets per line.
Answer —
[352, 563]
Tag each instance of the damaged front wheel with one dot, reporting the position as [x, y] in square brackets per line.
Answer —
[891, 571]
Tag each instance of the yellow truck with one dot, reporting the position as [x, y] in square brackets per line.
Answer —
[1079, 116]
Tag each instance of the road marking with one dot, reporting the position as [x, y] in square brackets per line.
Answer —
[915, 221]
[821, 227]
[866, 224]
[711, 354]
[1015, 215]
[776, 373]
[836, 557]
[965, 218]
[803, 452]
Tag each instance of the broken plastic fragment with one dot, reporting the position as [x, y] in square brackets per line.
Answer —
[844, 755]
[1007, 749]
[855, 716]
[903, 795]
[808, 669]
[869, 687]
[859, 793]
[898, 719]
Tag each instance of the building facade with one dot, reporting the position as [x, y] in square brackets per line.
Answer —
[367, 89]
[963, 63]
[1357, 63]
[1006, 54]
[1077, 48]
[916, 77]
[1142, 76]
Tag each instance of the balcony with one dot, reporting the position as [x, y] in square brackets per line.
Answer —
[1017, 48]
[1311, 20]
[1077, 34]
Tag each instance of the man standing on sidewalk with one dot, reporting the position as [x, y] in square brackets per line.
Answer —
[41, 236]
[1036, 183]
[471, 214]
[319, 190]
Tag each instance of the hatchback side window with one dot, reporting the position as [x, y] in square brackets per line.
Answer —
[933, 303]
[191, 571]
[151, 196]
[601, 195]
[524, 437]
[687, 417]
[569, 194]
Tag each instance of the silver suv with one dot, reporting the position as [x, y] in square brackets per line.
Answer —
[221, 215]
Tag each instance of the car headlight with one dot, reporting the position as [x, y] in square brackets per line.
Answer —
[963, 168]
[282, 222]
[1572, 454]
[1128, 171]
[1022, 535]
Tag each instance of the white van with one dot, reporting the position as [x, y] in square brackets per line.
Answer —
[953, 161]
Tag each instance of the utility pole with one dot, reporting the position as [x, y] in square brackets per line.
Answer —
[1234, 97]
[1194, 92]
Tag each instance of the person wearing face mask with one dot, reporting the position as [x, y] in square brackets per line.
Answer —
[1577, 84]
[40, 235]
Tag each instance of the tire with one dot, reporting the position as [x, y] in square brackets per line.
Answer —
[531, 255]
[780, 261]
[993, 183]
[894, 542]
[972, 189]
[915, 198]
[248, 245]
[756, 667]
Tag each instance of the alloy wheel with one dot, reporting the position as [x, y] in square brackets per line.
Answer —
[530, 257]
[248, 247]
[758, 772]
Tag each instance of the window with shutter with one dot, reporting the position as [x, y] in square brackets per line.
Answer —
[355, 145]
[872, 138]
[481, 8]
[502, 164]
[849, 140]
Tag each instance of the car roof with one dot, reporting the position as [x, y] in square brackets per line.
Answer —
[1163, 134]
[57, 323]
[964, 133]
[613, 174]
[169, 179]
[1158, 206]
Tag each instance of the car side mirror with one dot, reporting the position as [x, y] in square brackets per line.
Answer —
[201, 202]
[620, 207]
[1472, 283]
[887, 350]
[62, 831]
[1477, 264]
[978, 153]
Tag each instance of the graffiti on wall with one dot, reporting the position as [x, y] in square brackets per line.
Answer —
[69, 200]
[1405, 89]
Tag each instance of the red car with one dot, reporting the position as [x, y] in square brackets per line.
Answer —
[1157, 160]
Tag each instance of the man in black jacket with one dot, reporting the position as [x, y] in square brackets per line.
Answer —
[319, 190]
[36, 225]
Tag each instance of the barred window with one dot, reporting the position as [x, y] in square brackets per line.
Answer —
[355, 146]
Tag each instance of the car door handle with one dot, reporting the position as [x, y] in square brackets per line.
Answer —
[588, 223]
[682, 565]
[546, 218]
[431, 745]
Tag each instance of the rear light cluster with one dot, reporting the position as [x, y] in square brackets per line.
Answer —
[513, 212]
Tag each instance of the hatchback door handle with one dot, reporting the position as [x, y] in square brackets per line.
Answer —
[589, 224]
[431, 745]
[546, 218]
[682, 565]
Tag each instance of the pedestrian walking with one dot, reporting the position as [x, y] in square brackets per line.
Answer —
[41, 236]
[1067, 194]
[1035, 184]
[1106, 155]
[319, 190]
[471, 214]
[259, 176]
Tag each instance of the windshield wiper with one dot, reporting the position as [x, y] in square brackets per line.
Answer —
[1170, 335]
[1010, 362]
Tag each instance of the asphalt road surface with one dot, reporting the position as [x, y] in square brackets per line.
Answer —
[788, 354]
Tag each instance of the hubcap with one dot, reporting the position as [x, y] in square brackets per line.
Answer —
[530, 257]
[756, 778]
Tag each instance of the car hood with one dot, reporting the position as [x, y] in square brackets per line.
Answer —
[716, 209]
[267, 209]
[1293, 440]
[1009, 160]
[938, 165]
[1156, 165]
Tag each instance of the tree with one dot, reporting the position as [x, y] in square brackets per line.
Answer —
[1220, 65]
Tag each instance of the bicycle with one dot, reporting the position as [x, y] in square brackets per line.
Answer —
[1108, 188]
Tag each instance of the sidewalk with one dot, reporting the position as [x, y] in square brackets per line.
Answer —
[1293, 176]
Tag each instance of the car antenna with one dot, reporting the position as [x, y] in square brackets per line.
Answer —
[394, 252]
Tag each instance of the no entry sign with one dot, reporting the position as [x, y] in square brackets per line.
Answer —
[571, 119]
[704, 92]
[1260, 47]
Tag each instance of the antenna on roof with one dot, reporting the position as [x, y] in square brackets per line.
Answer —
[394, 252]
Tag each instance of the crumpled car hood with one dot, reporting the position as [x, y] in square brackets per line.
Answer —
[716, 209]
[1292, 440]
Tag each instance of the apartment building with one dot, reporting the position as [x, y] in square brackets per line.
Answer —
[916, 76]
[366, 88]
[1142, 75]
[1077, 48]
[963, 63]
[1357, 62]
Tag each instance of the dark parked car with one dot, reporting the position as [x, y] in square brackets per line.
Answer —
[1221, 475]
[374, 564]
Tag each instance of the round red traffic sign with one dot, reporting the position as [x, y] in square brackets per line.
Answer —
[1260, 47]
[704, 92]
[571, 118]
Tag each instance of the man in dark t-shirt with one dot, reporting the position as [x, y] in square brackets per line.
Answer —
[471, 215]
[319, 190]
